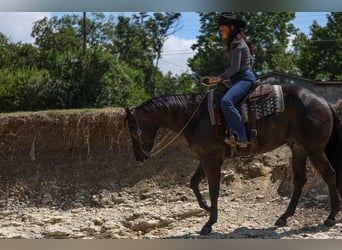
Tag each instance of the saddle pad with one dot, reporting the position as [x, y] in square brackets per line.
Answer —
[270, 106]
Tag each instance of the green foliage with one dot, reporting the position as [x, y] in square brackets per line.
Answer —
[138, 41]
[16, 55]
[320, 54]
[120, 86]
[21, 89]
[118, 67]
[209, 58]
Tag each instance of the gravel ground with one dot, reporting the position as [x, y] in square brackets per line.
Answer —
[247, 209]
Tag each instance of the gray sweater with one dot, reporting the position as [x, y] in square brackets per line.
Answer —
[240, 58]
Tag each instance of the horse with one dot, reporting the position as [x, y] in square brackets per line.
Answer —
[308, 125]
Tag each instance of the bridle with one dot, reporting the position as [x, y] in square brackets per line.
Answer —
[141, 142]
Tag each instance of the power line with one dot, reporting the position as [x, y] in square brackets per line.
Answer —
[177, 53]
[174, 64]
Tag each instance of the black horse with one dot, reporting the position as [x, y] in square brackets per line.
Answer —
[308, 126]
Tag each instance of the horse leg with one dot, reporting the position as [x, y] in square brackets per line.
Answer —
[338, 171]
[194, 183]
[322, 164]
[212, 169]
[339, 181]
[299, 180]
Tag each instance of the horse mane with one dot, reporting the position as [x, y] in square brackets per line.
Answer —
[171, 102]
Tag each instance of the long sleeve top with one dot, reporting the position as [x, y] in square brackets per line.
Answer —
[239, 57]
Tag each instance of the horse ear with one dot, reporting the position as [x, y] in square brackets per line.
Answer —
[128, 111]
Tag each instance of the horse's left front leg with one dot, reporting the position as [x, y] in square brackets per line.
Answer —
[212, 170]
[194, 183]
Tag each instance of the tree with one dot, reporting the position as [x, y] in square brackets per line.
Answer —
[17, 89]
[139, 40]
[269, 32]
[319, 54]
[59, 42]
[120, 86]
[17, 55]
[119, 66]
[77, 76]
[158, 28]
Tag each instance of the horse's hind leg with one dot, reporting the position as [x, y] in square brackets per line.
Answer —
[194, 183]
[321, 163]
[299, 179]
[339, 181]
[338, 170]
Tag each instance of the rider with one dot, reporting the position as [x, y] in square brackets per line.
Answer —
[239, 50]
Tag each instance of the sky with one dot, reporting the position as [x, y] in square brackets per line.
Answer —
[177, 49]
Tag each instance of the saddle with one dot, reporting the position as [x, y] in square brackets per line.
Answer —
[261, 101]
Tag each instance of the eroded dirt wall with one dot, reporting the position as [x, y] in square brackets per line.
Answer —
[62, 153]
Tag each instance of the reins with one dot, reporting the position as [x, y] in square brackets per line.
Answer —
[155, 151]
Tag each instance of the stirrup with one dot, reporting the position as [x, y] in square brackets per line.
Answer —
[233, 143]
[230, 142]
[242, 144]
[230, 139]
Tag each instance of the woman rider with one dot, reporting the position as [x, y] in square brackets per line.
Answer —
[239, 51]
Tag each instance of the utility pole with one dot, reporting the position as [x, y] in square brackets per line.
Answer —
[84, 33]
[83, 80]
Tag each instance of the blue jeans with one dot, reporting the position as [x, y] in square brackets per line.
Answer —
[241, 84]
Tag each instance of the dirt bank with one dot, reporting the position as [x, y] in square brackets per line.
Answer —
[69, 155]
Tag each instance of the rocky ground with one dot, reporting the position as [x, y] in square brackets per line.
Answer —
[248, 208]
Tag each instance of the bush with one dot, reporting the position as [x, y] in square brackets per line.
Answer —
[19, 89]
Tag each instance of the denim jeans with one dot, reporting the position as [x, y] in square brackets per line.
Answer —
[241, 84]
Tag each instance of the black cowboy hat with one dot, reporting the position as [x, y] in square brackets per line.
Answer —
[230, 20]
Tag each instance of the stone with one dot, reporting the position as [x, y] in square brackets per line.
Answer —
[57, 231]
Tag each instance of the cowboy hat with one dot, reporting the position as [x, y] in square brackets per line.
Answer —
[230, 20]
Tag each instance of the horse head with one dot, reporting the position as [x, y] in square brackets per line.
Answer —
[142, 134]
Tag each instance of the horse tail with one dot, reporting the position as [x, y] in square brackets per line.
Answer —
[333, 149]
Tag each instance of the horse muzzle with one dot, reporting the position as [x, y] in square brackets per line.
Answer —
[141, 155]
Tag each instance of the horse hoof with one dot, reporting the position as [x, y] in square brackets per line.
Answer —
[329, 222]
[206, 230]
[281, 222]
[206, 208]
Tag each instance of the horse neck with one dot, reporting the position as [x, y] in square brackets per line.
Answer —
[173, 119]
[174, 116]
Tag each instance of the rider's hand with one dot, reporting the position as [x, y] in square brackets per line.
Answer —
[214, 79]
[209, 80]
